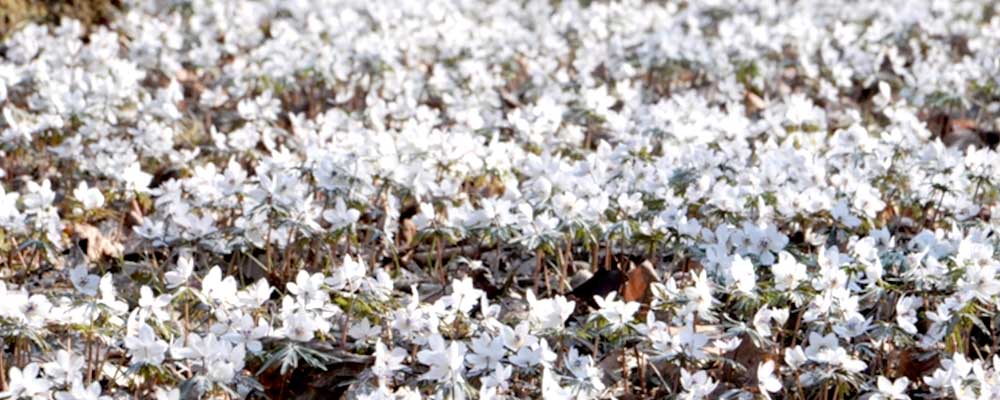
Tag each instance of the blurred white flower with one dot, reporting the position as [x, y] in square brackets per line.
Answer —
[65, 368]
[80, 392]
[91, 198]
[742, 272]
[446, 360]
[551, 313]
[698, 385]
[341, 216]
[766, 380]
[145, 347]
[891, 390]
[387, 362]
[26, 383]
[617, 313]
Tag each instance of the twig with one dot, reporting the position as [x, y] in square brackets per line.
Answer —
[3, 366]
[625, 373]
[538, 269]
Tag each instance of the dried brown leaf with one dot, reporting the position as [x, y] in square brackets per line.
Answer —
[638, 282]
[100, 244]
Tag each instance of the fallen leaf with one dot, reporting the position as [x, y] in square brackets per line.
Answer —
[97, 244]
[961, 132]
[638, 281]
[747, 356]
[754, 103]
[637, 285]
[603, 282]
[912, 363]
[407, 233]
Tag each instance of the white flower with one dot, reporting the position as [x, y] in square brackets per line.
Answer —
[616, 313]
[689, 341]
[348, 276]
[464, 296]
[700, 294]
[951, 370]
[308, 290]
[65, 367]
[841, 212]
[551, 389]
[549, 314]
[762, 319]
[906, 313]
[500, 378]
[766, 380]
[743, 274]
[91, 198]
[218, 289]
[698, 385]
[154, 306]
[255, 295]
[759, 149]
[10, 216]
[585, 375]
[795, 357]
[83, 281]
[36, 311]
[630, 204]
[363, 330]
[39, 196]
[300, 327]
[788, 272]
[446, 361]
[821, 347]
[242, 330]
[341, 216]
[80, 392]
[167, 394]
[884, 96]
[853, 326]
[891, 390]
[26, 383]
[426, 217]
[486, 353]
[727, 345]
[135, 179]
[532, 355]
[519, 337]
[979, 282]
[109, 297]
[145, 347]
[387, 362]
[182, 273]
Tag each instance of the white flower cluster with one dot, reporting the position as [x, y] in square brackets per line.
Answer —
[538, 199]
